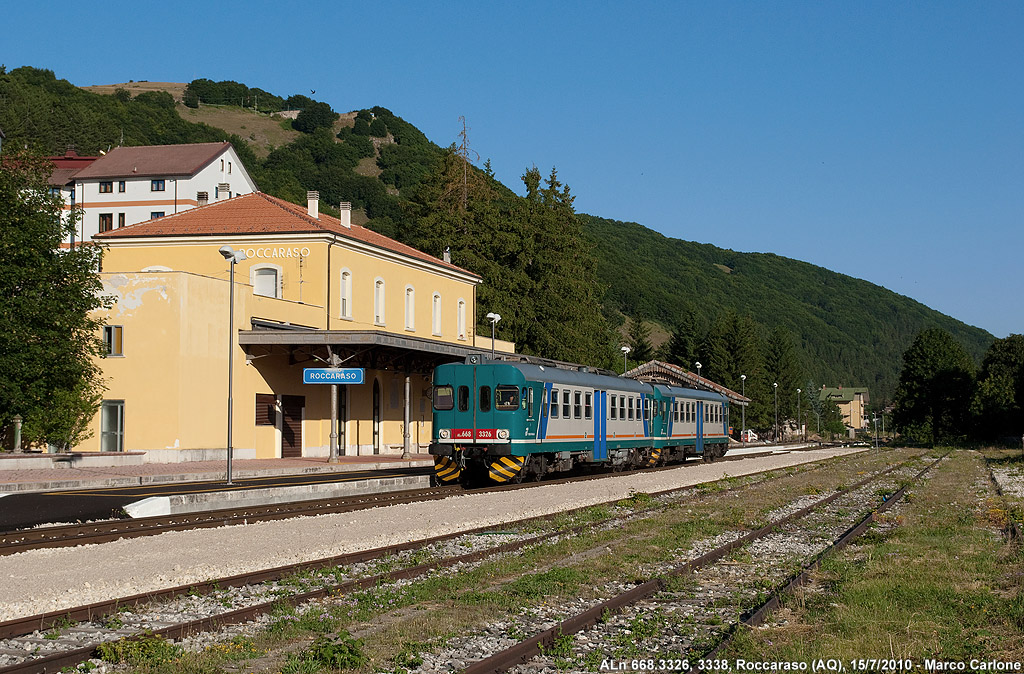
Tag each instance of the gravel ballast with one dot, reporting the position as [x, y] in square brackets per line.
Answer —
[40, 581]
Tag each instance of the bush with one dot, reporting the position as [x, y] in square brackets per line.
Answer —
[378, 129]
[316, 116]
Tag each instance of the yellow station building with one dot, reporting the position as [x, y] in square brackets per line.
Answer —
[312, 288]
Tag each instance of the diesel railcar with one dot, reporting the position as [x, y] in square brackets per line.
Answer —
[504, 421]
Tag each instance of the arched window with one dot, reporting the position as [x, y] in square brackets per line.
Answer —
[436, 315]
[410, 308]
[346, 293]
[462, 318]
[266, 280]
[378, 301]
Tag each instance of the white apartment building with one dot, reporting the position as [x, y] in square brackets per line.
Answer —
[129, 185]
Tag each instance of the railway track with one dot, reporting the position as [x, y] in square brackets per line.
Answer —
[108, 620]
[112, 530]
[710, 612]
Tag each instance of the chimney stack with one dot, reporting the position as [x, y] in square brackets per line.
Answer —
[313, 199]
[448, 254]
[345, 214]
[202, 198]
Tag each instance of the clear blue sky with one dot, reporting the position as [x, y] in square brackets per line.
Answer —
[884, 140]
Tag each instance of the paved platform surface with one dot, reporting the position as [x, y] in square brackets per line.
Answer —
[27, 480]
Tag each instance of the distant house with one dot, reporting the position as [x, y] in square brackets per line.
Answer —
[129, 185]
[852, 403]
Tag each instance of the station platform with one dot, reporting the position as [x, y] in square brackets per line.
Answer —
[22, 474]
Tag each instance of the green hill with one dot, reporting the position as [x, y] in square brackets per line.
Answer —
[847, 331]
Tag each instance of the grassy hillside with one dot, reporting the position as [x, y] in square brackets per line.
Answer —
[850, 332]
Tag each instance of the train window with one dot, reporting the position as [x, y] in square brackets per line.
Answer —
[444, 398]
[566, 411]
[463, 398]
[675, 410]
[614, 409]
[528, 402]
[577, 405]
[506, 397]
[622, 408]
[544, 402]
[647, 408]
[554, 403]
[631, 409]
[485, 398]
[588, 405]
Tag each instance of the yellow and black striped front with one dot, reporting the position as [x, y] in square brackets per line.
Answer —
[506, 468]
[655, 455]
[446, 469]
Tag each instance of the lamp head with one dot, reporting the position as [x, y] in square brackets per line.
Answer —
[626, 349]
[698, 364]
[493, 317]
[776, 385]
[232, 255]
[743, 377]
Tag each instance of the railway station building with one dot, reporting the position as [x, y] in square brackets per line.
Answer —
[311, 290]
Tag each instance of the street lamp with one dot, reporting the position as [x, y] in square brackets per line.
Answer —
[17, 433]
[743, 408]
[493, 318]
[798, 427]
[625, 351]
[776, 387]
[698, 368]
[234, 257]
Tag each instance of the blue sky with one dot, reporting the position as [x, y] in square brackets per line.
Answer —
[884, 140]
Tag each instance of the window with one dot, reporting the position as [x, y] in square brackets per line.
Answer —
[631, 409]
[435, 315]
[120, 186]
[566, 405]
[106, 186]
[544, 403]
[264, 282]
[378, 301]
[614, 409]
[675, 410]
[112, 340]
[485, 398]
[463, 398]
[229, 167]
[462, 319]
[588, 405]
[266, 409]
[346, 293]
[112, 426]
[554, 403]
[106, 222]
[153, 215]
[221, 164]
[444, 398]
[622, 408]
[647, 408]
[410, 308]
[577, 405]
[120, 219]
[506, 398]
[54, 191]
[156, 186]
[531, 409]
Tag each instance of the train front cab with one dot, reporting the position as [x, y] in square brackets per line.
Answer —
[479, 409]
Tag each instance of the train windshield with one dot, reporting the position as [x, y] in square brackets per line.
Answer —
[444, 398]
[506, 397]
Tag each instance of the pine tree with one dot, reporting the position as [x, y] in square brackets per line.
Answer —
[640, 341]
[935, 389]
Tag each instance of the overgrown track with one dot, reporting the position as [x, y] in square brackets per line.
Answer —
[94, 615]
[545, 641]
[112, 530]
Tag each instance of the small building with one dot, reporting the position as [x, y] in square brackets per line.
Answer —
[312, 289]
[129, 185]
[852, 404]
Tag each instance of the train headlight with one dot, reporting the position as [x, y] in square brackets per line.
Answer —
[502, 434]
[444, 434]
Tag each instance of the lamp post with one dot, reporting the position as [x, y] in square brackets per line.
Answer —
[233, 257]
[17, 433]
[743, 408]
[698, 368]
[776, 387]
[493, 318]
[799, 429]
[625, 365]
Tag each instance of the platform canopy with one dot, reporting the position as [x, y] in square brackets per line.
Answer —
[656, 371]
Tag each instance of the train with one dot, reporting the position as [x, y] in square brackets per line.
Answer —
[502, 421]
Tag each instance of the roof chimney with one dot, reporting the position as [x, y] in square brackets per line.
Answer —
[202, 198]
[448, 254]
[345, 214]
[313, 201]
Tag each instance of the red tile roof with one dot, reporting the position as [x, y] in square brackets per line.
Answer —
[68, 166]
[259, 213]
[154, 160]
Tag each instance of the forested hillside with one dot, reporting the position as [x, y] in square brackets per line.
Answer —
[563, 282]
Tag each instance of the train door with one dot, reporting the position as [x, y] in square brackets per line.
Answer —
[599, 410]
[699, 448]
[483, 394]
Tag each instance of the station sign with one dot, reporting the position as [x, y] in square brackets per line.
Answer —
[333, 375]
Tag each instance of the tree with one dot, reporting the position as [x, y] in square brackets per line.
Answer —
[640, 341]
[48, 337]
[935, 389]
[315, 116]
[997, 404]
[782, 367]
